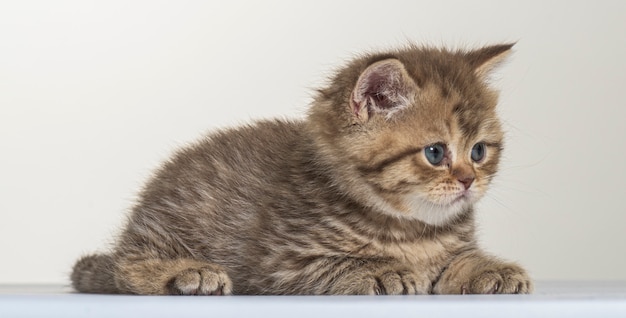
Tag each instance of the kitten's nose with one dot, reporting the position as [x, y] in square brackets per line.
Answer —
[467, 181]
[465, 175]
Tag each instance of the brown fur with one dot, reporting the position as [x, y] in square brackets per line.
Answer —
[344, 202]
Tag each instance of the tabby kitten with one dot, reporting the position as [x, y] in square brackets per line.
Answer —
[371, 194]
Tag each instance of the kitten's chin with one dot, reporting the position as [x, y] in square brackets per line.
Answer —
[416, 207]
[434, 213]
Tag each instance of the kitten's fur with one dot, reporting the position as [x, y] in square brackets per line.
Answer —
[343, 202]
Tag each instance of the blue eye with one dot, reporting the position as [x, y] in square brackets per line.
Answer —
[478, 152]
[435, 153]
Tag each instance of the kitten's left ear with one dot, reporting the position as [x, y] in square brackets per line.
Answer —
[382, 88]
[488, 58]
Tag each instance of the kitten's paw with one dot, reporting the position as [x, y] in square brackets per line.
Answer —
[502, 279]
[206, 280]
[401, 283]
[387, 282]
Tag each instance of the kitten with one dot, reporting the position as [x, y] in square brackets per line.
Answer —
[371, 194]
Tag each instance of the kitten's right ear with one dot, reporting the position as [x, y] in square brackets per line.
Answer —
[383, 88]
[488, 58]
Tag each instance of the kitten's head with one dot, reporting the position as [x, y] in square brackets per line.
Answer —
[414, 132]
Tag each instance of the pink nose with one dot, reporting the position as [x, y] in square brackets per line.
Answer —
[466, 181]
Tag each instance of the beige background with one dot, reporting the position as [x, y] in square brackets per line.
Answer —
[94, 94]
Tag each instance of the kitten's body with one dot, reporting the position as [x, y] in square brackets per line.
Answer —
[340, 203]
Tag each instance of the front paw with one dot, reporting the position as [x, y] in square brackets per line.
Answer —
[206, 280]
[401, 283]
[384, 282]
[498, 279]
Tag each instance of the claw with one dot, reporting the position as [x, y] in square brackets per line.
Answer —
[493, 289]
[378, 290]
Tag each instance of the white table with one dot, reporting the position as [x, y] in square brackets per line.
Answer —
[551, 299]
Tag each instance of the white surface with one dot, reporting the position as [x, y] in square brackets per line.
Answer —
[94, 94]
[550, 300]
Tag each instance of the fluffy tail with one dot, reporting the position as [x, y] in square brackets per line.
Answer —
[94, 274]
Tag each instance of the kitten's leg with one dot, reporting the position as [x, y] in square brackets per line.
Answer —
[378, 277]
[171, 277]
[474, 272]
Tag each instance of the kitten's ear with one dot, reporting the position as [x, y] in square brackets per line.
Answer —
[486, 59]
[384, 87]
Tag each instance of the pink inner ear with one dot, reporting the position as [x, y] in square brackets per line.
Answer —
[381, 87]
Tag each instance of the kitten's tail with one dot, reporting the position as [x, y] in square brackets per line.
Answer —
[94, 274]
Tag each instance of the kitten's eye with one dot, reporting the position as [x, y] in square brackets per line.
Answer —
[478, 152]
[435, 153]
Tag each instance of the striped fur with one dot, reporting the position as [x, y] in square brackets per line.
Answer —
[343, 202]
